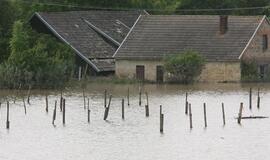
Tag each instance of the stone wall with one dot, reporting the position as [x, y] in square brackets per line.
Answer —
[213, 71]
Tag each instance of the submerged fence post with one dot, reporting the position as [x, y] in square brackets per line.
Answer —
[128, 97]
[250, 98]
[105, 98]
[240, 113]
[190, 117]
[186, 104]
[88, 111]
[140, 97]
[223, 114]
[7, 122]
[54, 112]
[46, 100]
[24, 106]
[204, 111]
[106, 113]
[64, 110]
[258, 99]
[123, 108]
[28, 94]
[147, 105]
[84, 103]
[61, 101]
[161, 120]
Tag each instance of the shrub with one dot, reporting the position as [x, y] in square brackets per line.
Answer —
[249, 71]
[184, 67]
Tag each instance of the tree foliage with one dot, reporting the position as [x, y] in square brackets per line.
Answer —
[184, 67]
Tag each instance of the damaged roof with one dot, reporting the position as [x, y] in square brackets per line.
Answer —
[156, 36]
[94, 34]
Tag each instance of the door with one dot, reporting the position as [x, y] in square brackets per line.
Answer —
[140, 72]
[160, 74]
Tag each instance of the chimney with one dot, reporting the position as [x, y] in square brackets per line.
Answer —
[223, 24]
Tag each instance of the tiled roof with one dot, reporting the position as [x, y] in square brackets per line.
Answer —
[156, 36]
[95, 41]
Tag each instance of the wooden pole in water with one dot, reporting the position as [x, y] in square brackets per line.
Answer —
[250, 98]
[64, 110]
[128, 97]
[161, 120]
[160, 109]
[123, 108]
[24, 106]
[204, 111]
[186, 104]
[190, 117]
[106, 113]
[105, 98]
[61, 101]
[223, 114]
[258, 99]
[46, 100]
[146, 110]
[240, 113]
[84, 103]
[88, 111]
[7, 122]
[54, 112]
[28, 94]
[140, 97]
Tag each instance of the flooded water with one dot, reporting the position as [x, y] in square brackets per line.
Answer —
[32, 136]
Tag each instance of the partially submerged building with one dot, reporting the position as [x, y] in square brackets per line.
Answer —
[224, 41]
[93, 35]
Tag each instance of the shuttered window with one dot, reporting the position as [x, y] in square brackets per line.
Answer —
[265, 42]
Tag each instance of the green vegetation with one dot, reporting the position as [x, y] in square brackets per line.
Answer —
[249, 71]
[27, 57]
[185, 67]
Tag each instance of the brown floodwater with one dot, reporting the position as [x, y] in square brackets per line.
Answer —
[32, 136]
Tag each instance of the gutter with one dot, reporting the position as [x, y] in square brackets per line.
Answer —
[65, 41]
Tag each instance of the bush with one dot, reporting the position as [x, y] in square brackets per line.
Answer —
[36, 59]
[185, 67]
[249, 71]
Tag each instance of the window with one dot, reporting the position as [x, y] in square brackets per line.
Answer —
[265, 42]
[263, 70]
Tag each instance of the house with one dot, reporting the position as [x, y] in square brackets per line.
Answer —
[224, 41]
[94, 35]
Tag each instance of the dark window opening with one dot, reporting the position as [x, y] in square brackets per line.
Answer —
[265, 42]
[262, 69]
[140, 72]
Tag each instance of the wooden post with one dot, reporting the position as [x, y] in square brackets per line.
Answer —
[258, 99]
[161, 119]
[250, 98]
[54, 112]
[240, 113]
[7, 122]
[46, 100]
[161, 122]
[147, 102]
[204, 111]
[140, 97]
[84, 103]
[64, 110]
[123, 109]
[88, 111]
[105, 98]
[24, 106]
[223, 114]
[80, 73]
[186, 109]
[128, 97]
[106, 113]
[146, 110]
[61, 101]
[28, 94]
[190, 117]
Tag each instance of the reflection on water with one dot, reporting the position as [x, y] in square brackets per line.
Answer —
[32, 136]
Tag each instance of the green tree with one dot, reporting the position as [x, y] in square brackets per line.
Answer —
[184, 67]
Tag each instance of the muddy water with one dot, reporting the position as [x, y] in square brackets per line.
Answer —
[32, 136]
